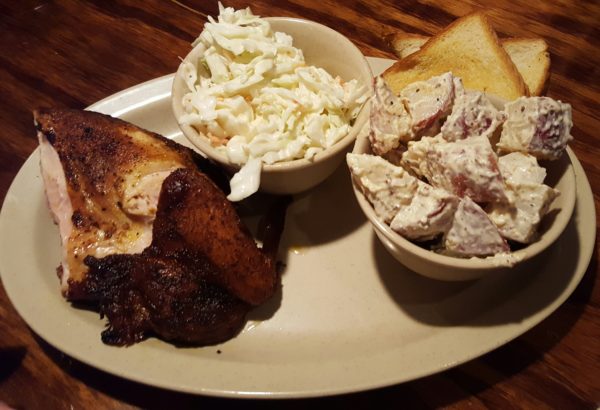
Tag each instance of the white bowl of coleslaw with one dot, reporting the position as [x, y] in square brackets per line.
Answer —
[251, 100]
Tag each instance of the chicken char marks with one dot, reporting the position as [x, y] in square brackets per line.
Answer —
[146, 294]
[199, 277]
[102, 178]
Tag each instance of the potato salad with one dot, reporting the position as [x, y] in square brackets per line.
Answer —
[436, 173]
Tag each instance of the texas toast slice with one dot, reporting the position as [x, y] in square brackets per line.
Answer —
[530, 56]
[470, 49]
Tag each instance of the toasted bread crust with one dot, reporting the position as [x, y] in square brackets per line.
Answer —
[532, 59]
[405, 44]
[483, 65]
[530, 55]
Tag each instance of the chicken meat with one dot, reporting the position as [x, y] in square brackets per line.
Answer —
[102, 178]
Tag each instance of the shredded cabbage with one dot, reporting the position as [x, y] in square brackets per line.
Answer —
[252, 94]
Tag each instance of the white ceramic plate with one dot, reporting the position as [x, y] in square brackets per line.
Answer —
[348, 318]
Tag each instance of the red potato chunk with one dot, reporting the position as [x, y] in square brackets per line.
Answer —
[429, 102]
[473, 233]
[390, 122]
[519, 219]
[466, 168]
[539, 126]
[472, 115]
[386, 186]
[429, 214]
[414, 158]
[520, 168]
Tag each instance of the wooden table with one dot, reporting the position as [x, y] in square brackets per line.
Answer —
[72, 53]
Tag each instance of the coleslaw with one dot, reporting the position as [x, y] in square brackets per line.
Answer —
[253, 96]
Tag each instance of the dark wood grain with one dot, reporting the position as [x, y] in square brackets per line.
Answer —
[72, 53]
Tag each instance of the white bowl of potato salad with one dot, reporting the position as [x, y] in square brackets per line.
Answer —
[459, 184]
[277, 101]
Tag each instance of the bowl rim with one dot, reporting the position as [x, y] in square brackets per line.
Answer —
[202, 143]
[473, 263]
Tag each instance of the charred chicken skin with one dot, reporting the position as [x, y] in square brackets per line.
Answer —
[196, 281]
[102, 178]
[147, 232]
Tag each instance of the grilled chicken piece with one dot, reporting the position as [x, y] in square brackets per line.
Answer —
[195, 220]
[200, 276]
[140, 294]
[102, 178]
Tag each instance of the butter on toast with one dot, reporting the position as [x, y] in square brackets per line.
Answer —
[530, 56]
[470, 49]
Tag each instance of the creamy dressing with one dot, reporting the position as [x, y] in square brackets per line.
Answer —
[429, 214]
[519, 220]
[473, 233]
[246, 181]
[519, 168]
[472, 115]
[253, 96]
[390, 121]
[429, 101]
[415, 157]
[466, 167]
[505, 259]
[418, 111]
[386, 186]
